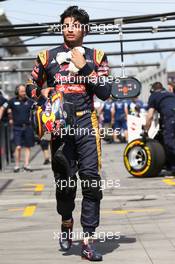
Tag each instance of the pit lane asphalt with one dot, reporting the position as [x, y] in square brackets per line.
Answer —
[137, 216]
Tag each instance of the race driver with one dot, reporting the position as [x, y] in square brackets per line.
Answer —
[83, 152]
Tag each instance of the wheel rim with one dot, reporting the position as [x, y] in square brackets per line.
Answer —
[137, 158]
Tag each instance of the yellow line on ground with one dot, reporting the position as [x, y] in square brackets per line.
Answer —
[148, 210]
[169, 181]
[29, 210]
[39, 187]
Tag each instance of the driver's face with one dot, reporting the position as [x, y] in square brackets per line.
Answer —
[73, 31]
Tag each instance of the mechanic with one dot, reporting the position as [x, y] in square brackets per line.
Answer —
[4, 128]
[81, 151]
[105, 111]
[171, 87]
[45, 148]
[19, 118]
[163, 102]
[3, 108]
[119, 119]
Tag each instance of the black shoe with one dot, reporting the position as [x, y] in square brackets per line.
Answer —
[16, 169]
[26, 168]
[46, 162]
[66, 235]
[89, 252]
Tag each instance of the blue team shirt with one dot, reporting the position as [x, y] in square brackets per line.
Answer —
[163, 102]
[107, 112]
[20, 110]
[119, 107]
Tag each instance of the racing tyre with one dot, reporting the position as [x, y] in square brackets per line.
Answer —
[144, 158]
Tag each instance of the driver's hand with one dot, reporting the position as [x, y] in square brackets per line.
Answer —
[78, 58]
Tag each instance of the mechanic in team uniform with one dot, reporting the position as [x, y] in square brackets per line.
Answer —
[163, 102]
[4, 129]
[19, 118]
[3, 108]
[171, 87]
[105, 111]
[45, 149]
[81, 151]
[119, 119]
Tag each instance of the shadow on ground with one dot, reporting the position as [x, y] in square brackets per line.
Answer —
[108, 246]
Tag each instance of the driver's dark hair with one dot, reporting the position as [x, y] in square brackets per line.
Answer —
[77, 13]
[157, 86]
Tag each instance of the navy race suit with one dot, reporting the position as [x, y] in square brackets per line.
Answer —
[48, 69]
[82, 151]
